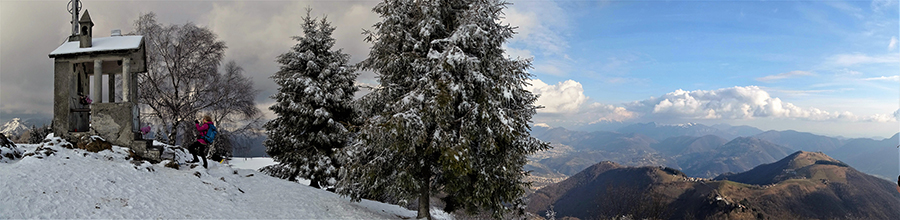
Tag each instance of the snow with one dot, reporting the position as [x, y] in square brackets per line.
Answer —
[100, 44]
[13, 127]
[251, 163]
[56, 182]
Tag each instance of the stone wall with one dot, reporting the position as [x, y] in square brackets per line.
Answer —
[114, 122]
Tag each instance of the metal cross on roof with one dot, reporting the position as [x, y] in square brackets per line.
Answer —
[74, 7]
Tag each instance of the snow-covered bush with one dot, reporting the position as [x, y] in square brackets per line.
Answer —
[8, 150]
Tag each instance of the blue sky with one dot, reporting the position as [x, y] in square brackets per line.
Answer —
[835, 62]
[827, 67]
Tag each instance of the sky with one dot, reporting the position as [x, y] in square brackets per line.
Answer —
[826, 67]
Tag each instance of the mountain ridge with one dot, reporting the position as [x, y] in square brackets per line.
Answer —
[14, 127]
[815, 186]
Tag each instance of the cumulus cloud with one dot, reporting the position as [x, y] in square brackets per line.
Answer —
[779, 76]
[566, 103]
[564, 97]
[894, 117]
[729, 103]
[881, 118]
[597, 112]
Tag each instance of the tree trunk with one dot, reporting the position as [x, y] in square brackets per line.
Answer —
[424, 203]
[425, 193]
[294, 174]
[173, 134]
[314, 182]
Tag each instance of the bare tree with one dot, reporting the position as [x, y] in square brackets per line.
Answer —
[183, 78]
[237, 117]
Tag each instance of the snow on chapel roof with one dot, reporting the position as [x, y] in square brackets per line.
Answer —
[100, 44]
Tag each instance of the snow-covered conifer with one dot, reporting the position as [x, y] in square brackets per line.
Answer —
[313, 106]
[451, 114]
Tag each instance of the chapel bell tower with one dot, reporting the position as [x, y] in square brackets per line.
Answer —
[87, 29]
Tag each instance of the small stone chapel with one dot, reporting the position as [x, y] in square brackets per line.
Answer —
[80, 106]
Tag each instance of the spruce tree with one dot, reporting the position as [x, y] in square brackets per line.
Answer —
[313, 107]
[451, 114]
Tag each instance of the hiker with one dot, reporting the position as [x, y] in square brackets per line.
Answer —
[200, 146]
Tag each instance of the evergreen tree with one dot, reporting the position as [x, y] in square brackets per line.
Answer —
[37, 134]
[451, 114]
[313, 106]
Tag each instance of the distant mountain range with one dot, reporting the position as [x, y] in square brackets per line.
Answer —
[737, 155]
[803, 185]
[588, 148]
[703, 151]
[706, 156]
[661, 131]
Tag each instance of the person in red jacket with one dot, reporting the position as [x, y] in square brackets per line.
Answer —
[200, 146]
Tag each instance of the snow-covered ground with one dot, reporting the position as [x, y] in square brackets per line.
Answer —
[254, 163]
[250, 163]
[56, 182]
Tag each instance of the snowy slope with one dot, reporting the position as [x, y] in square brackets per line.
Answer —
[73, 183]
[251, 163]
[14, 127]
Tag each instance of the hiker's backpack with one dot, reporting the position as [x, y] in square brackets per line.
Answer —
[210, 134]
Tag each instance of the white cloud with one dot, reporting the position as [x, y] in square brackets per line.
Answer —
[779, 76]
[848, 72]
[564, 97]
[893, 44]
[895, 78]
[525, 22]
[597, 112]
[541, 27]
[730, 103]
[882, 118]
[893, 117]
[566, 103]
